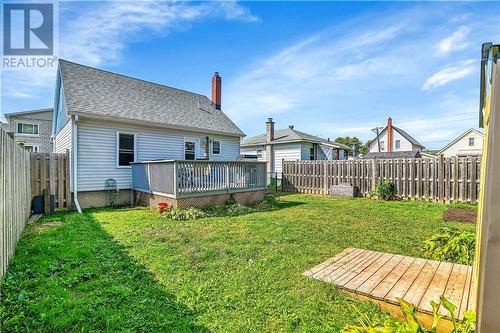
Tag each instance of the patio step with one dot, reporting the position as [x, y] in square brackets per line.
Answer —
[382, 277]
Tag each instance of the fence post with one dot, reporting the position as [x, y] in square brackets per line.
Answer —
[325, 177]
[375, 173]
[441, 178]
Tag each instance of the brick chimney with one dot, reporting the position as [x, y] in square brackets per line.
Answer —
[216, 90]
[269, 130]
[389, 134]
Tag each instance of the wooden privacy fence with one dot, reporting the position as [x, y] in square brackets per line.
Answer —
[454, 179]
[50, 181]
[15, 196]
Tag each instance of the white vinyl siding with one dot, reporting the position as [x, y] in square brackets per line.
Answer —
[404, 144]
[97, 150]
[63, 139]
[285, 152]
[461, 147]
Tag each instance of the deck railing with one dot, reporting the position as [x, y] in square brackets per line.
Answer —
[181, 179]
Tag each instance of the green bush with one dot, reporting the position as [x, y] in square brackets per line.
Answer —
[230, 208]
[451, 244]
[384, 323]
[268, 203]
[384, 189]
[183, 214]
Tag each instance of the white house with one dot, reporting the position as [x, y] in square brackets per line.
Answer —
[290, 144]
[108, 120]
[393, 142]
[468, 143]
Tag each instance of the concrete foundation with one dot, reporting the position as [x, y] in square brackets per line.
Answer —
[101, 198]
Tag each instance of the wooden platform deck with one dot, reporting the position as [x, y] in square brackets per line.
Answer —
[383, 277]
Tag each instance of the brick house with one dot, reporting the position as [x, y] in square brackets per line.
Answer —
[31, 129]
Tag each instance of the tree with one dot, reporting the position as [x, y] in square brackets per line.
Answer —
[361, 148]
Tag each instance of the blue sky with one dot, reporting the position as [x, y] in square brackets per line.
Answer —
[329, 68]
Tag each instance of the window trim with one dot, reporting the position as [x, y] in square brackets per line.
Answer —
[27, 123]
[220, 147]
[257, 153]
[473, 142]
[117, 157]
[397, 144]
[196, 145]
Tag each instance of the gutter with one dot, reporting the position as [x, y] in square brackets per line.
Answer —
[74, 153]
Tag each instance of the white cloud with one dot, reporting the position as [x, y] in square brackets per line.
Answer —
[101, 35]
[96, 33]
[449, 73]
[456, 42]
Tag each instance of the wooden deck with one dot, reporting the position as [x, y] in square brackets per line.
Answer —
[382, 277]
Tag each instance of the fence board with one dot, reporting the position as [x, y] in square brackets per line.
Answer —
[50, 178]
[441, 180]
[15, 196]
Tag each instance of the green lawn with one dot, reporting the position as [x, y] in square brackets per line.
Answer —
[128, 270]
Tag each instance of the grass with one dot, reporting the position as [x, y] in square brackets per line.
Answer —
[128, 270]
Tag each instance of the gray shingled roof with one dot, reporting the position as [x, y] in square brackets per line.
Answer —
[394, 154]
[403, 133]
[288, 135]
[94, 92]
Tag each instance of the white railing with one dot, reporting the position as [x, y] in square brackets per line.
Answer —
[194, 178]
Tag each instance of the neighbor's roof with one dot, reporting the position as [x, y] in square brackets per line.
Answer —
[403, 133]
[394, 154]
[93, 92]
[20, 113]
[460, 137]
[289, 135]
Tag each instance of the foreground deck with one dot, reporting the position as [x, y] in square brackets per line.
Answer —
[382, 277]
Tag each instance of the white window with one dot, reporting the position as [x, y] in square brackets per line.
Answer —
[32, 149]
[126, 149]
[216, 148]
[471, 142]
[382, 145]
[259, 153]
[398, 144]
[311, 154]
[189, 150]
[24, 128]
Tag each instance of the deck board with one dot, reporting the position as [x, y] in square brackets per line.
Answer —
[384, 277]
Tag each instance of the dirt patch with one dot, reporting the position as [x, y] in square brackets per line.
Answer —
[45, 226]
[466, 215]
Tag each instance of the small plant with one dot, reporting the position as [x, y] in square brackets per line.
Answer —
[384, 189]
[268, 203]
[451, 244]
[183, 214]
[410, 324]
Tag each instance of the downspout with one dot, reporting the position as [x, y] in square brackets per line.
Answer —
[74, 143]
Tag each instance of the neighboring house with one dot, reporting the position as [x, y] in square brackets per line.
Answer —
[109, 120]
[468, 143]
[31, 129]
[289, 144]
[394, 143]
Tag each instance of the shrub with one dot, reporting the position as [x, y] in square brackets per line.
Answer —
[183, 214]
[410, 324]
[229, 209]
[384, 189]
[268, 203]
[451, 244]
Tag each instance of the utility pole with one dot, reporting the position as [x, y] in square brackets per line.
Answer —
[378, 138]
